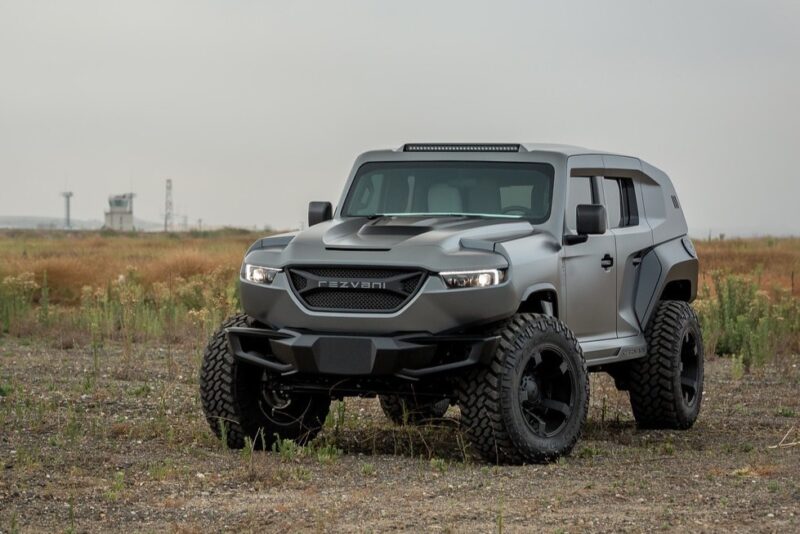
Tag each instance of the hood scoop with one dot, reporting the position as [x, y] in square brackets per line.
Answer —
[363, 248]
[377, 235]
[404, 230]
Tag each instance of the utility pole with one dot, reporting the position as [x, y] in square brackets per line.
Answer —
[168, 207]
[67, 196]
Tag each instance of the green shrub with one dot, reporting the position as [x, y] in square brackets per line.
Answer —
[742, 321]
[16, 299]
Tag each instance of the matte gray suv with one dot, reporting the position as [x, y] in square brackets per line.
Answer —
[489, 276]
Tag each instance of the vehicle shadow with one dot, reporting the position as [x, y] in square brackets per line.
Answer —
[439, 438]
[445, 439]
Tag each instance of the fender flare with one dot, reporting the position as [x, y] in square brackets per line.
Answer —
[663, 264]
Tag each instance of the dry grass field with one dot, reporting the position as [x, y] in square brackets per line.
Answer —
[73, 260]
[101, 427]
[774, 262]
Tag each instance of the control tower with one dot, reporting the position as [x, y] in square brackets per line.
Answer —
[119, 216]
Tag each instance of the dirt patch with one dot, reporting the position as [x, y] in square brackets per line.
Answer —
[99, 442]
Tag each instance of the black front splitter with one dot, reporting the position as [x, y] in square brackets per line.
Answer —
[409, 356]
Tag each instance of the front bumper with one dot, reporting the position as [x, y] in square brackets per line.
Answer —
[410, 356]
[434, 309]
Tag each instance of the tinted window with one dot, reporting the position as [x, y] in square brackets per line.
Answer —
[580, 192]
[494, 189]
[613, 194]
[620, 202]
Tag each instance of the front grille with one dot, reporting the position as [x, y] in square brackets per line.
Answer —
[355, 289]
[354, 300]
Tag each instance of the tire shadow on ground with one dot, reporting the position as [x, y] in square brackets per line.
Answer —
[444, 438]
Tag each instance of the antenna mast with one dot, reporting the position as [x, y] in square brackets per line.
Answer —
[67, 196]
[168, 210]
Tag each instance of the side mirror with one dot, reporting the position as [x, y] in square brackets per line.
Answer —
[319, 212]
[590, 220]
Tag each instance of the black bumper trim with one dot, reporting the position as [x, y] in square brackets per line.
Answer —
[409, 356]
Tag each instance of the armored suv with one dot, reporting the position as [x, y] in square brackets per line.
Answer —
[492, 277]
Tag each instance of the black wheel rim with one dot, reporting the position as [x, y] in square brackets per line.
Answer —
[278, 407]
[547, 391]
[690, 369]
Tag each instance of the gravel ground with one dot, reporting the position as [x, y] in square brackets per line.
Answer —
[114, 439]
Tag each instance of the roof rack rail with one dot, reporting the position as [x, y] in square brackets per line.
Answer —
[461, 147]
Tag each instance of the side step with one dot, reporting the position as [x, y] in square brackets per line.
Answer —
[615, 350]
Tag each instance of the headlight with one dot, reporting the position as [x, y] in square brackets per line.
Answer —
[260, 275]
[483, 278]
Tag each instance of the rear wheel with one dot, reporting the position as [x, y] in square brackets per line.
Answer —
[406, 409]
[666, 386]
[240, 401]
[530, 404]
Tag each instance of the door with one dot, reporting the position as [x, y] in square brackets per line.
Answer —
[632, 235]
[590, 271]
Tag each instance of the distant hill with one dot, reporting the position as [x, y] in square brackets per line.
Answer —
[31, 222]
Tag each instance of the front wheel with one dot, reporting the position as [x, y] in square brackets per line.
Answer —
[530, 403]
[240, 401]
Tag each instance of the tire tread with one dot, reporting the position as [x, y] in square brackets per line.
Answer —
[479, 393]
[652, 395]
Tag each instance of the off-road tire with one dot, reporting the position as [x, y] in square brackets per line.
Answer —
[659, 383]
[490, 398]
[405, 409]
[236, 403]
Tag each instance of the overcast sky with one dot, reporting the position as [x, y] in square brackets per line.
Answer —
[253, 108]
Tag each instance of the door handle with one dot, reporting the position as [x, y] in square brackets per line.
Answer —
[607, 262]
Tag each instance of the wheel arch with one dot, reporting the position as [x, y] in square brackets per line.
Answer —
[679, 289]
[540, 298]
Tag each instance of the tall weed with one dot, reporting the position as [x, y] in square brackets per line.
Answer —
[16, 299]
[742, 321]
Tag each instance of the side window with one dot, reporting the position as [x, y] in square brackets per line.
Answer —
[580, 192]
[613, 196]
[620, 202]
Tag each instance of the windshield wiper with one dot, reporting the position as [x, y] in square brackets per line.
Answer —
[444, 214]
[450, 214]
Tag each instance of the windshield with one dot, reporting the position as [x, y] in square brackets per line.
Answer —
[452, 188]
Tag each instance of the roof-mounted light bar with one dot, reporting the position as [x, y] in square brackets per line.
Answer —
[454, 147]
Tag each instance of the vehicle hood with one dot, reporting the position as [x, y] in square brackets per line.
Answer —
[434, 243]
